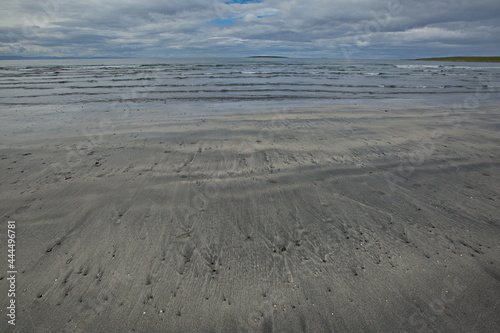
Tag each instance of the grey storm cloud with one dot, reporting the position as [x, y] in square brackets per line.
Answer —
[326, 28]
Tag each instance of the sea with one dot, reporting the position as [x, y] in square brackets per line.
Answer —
[242, 83]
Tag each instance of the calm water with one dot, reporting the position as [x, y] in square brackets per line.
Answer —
[109, 83]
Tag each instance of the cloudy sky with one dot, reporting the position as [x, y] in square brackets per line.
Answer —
[366, 29]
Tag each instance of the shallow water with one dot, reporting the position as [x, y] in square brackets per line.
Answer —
[111, 83]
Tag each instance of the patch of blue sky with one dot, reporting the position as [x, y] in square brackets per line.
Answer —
[231, 15]
[233, 20]
[223, 21]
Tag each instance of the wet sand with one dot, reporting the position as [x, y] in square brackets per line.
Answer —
[334, 219]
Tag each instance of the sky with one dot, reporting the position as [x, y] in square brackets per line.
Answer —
[345, 29]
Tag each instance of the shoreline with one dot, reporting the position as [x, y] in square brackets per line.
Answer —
[463, 59]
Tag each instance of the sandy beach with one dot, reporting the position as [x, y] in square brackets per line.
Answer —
[327, 219]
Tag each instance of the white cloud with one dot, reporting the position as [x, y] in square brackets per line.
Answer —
[430, 34]
[250, 18]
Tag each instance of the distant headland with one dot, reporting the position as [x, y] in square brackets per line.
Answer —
[474, 59]
[267, 57]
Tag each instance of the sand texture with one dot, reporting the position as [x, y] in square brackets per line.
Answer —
[334, 219]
